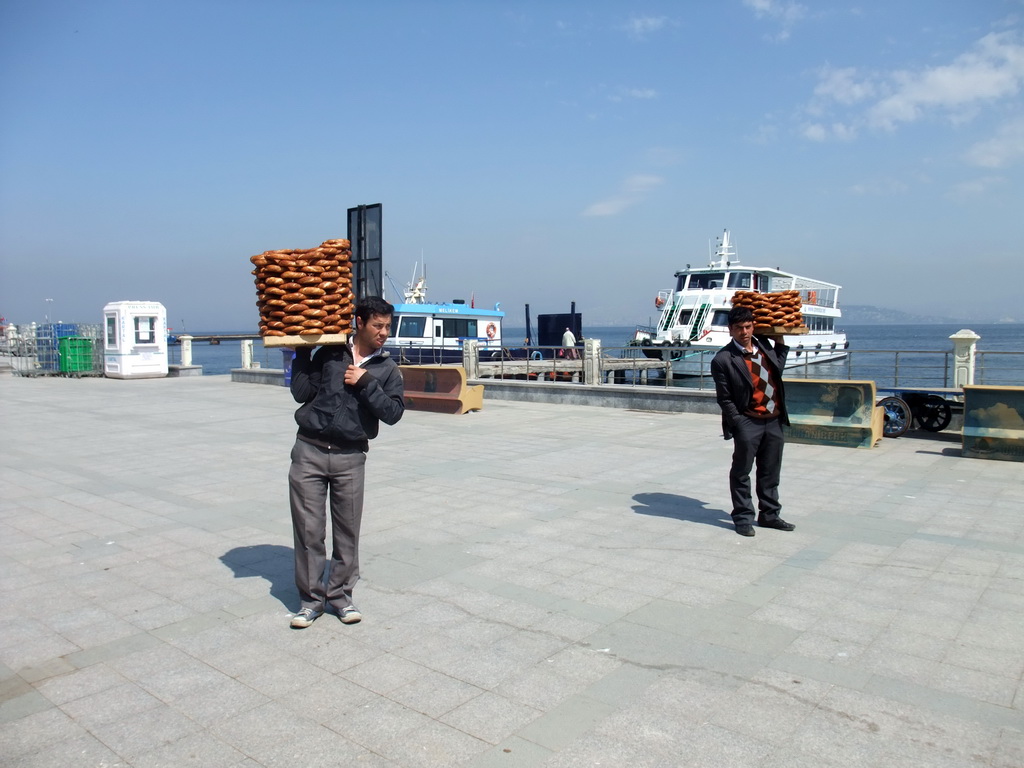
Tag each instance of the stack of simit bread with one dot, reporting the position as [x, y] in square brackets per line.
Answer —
[305, 292]
[781, 309]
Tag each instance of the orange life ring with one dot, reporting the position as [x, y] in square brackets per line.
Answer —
[491, 330]
[659, 302]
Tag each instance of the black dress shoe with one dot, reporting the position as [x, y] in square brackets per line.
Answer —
[744, 529]
[778, 524]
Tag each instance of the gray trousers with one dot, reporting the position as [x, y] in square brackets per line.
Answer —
[316, 475]
[760, 441]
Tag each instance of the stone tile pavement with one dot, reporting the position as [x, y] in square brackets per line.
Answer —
[544, 585]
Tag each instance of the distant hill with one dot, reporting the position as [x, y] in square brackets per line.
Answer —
[860, 314]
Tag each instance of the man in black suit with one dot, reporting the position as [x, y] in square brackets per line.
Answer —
[748, 383]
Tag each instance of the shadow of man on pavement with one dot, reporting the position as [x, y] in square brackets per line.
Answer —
[272, 562]
[680, 508]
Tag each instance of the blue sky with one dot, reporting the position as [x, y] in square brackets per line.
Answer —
[531, 152]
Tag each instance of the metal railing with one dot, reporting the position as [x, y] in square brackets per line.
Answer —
[888, 368]
[999, 368]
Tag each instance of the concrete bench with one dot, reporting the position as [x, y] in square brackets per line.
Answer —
[993, 423]
[833, 412]
[440, 388]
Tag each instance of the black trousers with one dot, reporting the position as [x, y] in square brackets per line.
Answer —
[756, 441]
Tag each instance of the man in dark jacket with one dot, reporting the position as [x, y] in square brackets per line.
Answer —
[346, 391]
[749, 387]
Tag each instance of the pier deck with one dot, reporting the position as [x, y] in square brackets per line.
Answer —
[544, 585]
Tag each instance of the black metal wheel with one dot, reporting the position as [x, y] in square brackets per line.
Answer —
[933, 413]
[897, 416]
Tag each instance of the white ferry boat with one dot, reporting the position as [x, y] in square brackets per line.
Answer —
[424, 333]
[694, 316]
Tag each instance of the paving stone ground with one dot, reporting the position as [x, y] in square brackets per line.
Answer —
[544, 585]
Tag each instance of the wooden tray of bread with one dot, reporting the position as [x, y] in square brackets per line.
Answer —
[779, 330]
[305, 340]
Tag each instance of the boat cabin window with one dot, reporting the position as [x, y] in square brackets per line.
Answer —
[740, 280]
[706, 281]
[458, 327]
[685, 316]
[681, 282]
[411, 325]
[721, 318]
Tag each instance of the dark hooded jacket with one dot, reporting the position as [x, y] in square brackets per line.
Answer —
[339, 414]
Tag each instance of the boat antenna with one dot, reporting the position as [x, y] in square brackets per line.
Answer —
[392, 281]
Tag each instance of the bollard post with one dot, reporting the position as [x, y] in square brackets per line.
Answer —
[591, 361]
[965, 342]
[247, 353]
[471, 358]
[186, 350]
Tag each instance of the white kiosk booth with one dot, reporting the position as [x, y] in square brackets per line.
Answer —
[134, 340]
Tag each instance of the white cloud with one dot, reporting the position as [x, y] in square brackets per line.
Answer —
[815, 132]
[835, 130]
[1006, 147]
[634, 189]
[633, 93]
[992, 72]
[841, 85]
[639, 27]
[883, 188]
[786, 13]
[976, 187]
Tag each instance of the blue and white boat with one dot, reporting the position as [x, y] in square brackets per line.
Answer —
[425, 333]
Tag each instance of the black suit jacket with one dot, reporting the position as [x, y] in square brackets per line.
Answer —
[733, 387]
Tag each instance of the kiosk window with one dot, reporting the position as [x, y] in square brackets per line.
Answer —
[145, 330]
[111, 332]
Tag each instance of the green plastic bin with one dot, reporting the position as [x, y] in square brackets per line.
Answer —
[75, 354]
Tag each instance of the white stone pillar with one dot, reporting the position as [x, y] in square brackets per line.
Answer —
[247, 353]
[591, 361]
[186, 350]
[471, 358]
[965, 343]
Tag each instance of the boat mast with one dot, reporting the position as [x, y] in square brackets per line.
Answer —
[725, 252]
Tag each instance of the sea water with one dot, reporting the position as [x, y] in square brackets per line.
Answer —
[217, 359]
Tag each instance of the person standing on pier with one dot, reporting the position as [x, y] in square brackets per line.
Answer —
[749, 388]
[569, 344]
[345, 391]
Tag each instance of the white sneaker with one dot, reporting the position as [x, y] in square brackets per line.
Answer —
[305, 617]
